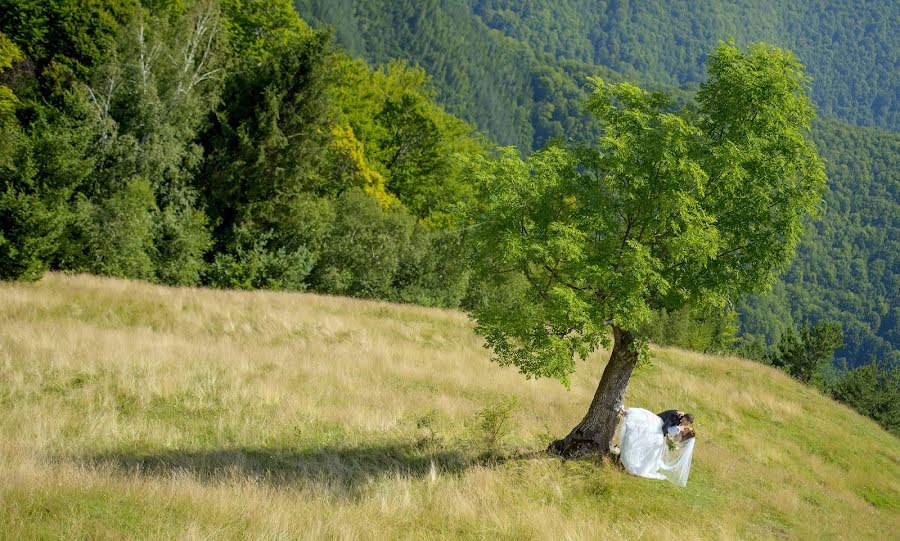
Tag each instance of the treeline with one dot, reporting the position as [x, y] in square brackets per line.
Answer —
[846, 48]
[519, 96]
[527, 87]
[222, 143]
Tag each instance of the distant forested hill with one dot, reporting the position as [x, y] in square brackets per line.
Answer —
[847, 264]
[850, 48]
[518, 69]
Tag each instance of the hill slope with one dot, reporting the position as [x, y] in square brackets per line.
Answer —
[144, 411]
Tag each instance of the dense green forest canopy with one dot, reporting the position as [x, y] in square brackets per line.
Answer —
[849, 48]
[222, 143]
[526, 65]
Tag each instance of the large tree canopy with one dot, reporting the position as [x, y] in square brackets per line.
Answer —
[696, 204]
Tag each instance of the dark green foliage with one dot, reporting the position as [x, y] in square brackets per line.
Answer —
[253, 264]
[432, 270]
[28, 233]
[846, 269]
[806, 355]
[874, 391]
[267, 145]
[181, 236]
[845, 46]
[363, 252]
[40, 167]
[525, 82]
[64, 37]
[371, 251]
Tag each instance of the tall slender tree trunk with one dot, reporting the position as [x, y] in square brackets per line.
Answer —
[595, 432]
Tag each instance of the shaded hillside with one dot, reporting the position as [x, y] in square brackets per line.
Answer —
[847, 263]
[131, 410]
[850, 48]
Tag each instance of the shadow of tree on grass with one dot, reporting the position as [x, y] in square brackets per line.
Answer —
[341, 470]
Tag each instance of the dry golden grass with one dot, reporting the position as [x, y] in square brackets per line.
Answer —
[134, 411]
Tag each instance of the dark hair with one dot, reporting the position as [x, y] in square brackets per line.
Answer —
[688, 417]
[688, 433]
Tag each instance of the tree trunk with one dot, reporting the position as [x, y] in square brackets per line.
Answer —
[595, 432]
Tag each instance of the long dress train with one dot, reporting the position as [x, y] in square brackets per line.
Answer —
[644, 451]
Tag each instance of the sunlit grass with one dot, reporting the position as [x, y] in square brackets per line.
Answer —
[130, 410]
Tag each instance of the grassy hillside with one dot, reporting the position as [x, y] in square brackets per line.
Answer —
[131, 410]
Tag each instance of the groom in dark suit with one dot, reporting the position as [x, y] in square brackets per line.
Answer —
[674, 418]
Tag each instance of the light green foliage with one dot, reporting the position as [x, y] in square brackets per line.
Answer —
[117, 232]
[765, 173]
[409, 138]
[669, 208]
[9, 55]
[805, 356]
[259, 29]
[493, 423]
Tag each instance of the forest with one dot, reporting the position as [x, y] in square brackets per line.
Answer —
[229, 144]
[530, 87]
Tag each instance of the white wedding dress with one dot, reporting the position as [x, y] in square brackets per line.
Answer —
[643, 449]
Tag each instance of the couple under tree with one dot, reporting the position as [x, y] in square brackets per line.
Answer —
[657, 446]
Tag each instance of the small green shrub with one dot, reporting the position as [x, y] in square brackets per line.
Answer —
[493, 423]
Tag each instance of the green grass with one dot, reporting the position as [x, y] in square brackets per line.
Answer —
[135, 411]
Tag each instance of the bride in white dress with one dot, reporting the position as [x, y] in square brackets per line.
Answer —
[645, 452]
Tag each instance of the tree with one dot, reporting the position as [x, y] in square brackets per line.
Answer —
[873, 390]
[267, 144]
[805, 356]
[147, 103]
[671, 206]
[41, 164]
